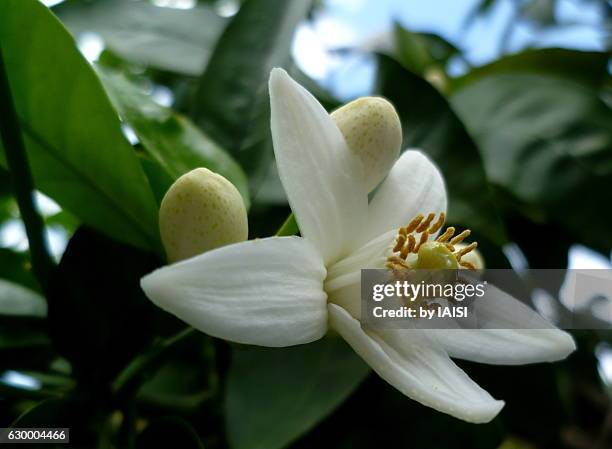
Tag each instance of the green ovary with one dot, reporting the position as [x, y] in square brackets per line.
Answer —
[435, 256]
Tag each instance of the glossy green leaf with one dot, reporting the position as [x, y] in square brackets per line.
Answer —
[590, 68]
[168, 138]
[17, 300]
[275, 395]
[231, 104]
[77, 152]
[548, 141]
[164, 38]
[429, 123]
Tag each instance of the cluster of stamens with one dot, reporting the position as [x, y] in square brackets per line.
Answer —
[407, 242]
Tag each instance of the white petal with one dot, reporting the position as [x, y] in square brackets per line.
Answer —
[510, 333]
[323, 180]
[343, 283]
[266, 292]
[418, 369]
[413, 186]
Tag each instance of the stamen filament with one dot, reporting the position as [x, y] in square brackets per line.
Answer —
[467, 265]
[424, 225]
[465, 250]
[438, 224]
[414, 223]
[461, 237]
[423, 239]
[447, 235]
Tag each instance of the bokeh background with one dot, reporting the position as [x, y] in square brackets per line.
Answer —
[510, 98]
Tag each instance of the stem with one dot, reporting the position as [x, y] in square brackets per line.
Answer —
[17, 162]
[130, 379]
[289, 227]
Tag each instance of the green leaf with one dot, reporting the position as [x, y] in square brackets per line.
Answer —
[16, 267]
[18, 334]
[289, 227]
[16, 300]
[422, 51]
[231, 104]
[99, 317]
[163, 38]
[590, 68]
[429, 123]
[170, 139]
[548, 141]
[274, 395]
[77, 152]
[62, 413]
[169, 432]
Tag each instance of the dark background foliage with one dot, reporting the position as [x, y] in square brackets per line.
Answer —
[524, 142]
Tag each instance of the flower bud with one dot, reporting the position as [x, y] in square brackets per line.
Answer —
[201, 211]
[372, 131]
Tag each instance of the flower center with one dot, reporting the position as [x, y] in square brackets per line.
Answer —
[414, 249]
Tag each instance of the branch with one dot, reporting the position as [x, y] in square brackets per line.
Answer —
[17, 162]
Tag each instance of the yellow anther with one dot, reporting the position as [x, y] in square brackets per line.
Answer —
[459, 254]
[438, 224]
[400, 242]
[444, 252]
[395, 262]
[447, 235]
[461, 237]
[410, 227]
[411, 243]
[424, 225]
[468, 265]
[422, 240]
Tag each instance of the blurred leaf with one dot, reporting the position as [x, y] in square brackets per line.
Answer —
[164, 38]
[20, 301]
[63, 219]
[169, 432]
[98, 316]
[178, 385]
[17, 333]
[60, 413]
[77, 152]
[231, 104]
[158, 177]
[590, 68]
[379, 416]
[482, 7]
[421, 51]
[516, 443]
[170, 139]
[429, 123]
[548, 141]
[540, 12]
[274, 395]
[16, 267]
